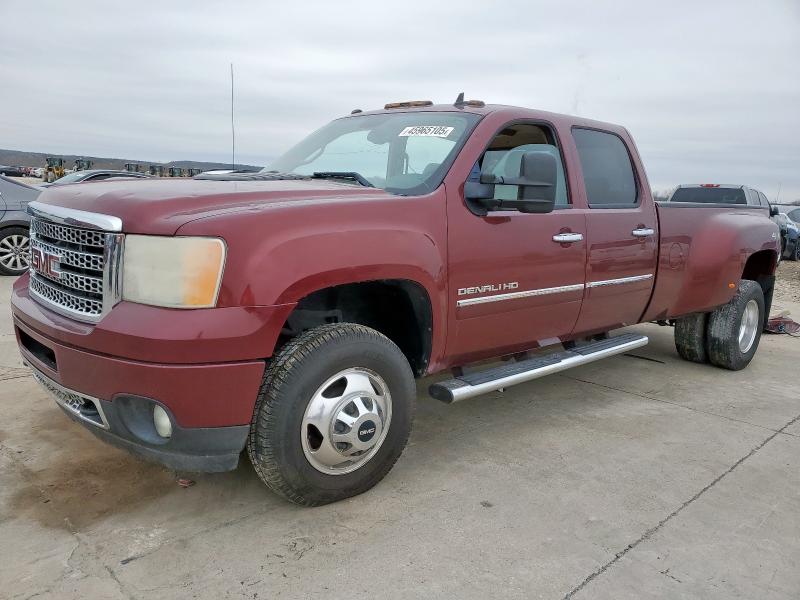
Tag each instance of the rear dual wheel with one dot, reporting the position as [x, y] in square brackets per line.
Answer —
[728, 337]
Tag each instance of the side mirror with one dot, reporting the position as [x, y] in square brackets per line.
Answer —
[773, 211]
[537, 179]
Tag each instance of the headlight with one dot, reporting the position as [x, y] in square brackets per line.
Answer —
[176, 272]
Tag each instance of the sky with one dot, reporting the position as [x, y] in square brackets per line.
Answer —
[710, 90]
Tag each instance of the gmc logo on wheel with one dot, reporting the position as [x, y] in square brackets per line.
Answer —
[46, 263]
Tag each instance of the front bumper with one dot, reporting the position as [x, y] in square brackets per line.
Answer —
[125, 367]
[127, 423]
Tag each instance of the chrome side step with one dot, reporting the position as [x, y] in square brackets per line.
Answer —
[475, 384]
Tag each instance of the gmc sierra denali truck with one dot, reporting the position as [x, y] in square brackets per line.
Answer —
[288, 311]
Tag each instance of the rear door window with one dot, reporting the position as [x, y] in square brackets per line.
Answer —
[607, 169]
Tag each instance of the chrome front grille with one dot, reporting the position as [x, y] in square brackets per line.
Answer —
[75, 261]
[53, 295]
[83, 237]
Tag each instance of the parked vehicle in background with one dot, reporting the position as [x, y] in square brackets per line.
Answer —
[287, 311]
[93, 175]
[9, 171]
[722, 194]
[790, 246]
[716, 193]
[792, 211]
[14, 224]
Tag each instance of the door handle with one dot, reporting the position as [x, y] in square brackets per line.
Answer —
[643, 232]
[567, 238]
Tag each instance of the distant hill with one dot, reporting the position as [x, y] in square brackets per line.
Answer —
[19, 158]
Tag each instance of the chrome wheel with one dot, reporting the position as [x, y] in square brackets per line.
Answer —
[15, 250]
[346, 421]
[748, 328]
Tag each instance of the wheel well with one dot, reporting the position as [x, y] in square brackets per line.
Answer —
[760, 267]
[397, 308]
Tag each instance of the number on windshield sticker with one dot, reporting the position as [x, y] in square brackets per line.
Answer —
[426, 131]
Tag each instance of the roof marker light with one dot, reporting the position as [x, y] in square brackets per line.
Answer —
[408, 104]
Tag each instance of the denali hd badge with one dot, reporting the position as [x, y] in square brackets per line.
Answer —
[492, 287]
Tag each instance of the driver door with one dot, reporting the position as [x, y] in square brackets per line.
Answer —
[516, 280]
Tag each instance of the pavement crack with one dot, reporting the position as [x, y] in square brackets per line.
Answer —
[678, 404]
[649, 533]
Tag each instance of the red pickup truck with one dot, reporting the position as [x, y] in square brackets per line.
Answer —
[288, 311]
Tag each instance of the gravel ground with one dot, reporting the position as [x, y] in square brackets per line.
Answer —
[787, 288]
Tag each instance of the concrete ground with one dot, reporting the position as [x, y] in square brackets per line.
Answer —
[639, 477]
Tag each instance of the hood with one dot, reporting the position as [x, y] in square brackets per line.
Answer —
[161, 206]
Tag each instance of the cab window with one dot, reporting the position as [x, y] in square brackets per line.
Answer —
[504, 156]
[607, 169]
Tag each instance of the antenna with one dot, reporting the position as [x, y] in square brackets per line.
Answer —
[460, 100]
[233, 129]
[778, 197]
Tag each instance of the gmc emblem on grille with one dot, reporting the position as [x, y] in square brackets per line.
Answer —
[46, 263]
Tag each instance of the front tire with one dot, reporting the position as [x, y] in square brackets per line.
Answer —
[333, 414]
[734, 330]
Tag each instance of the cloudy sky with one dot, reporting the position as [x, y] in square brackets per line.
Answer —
[710, 90]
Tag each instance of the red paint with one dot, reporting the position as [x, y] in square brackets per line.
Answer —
[287, 239]
[205, 395]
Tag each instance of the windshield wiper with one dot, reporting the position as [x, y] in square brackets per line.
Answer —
[343, 175]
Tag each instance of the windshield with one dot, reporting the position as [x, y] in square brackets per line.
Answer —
[403, 153]
[71, 177]
[711, 195]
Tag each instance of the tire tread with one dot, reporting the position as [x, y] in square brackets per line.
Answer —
[292, 356]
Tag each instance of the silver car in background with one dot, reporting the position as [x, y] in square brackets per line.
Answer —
[14, 225]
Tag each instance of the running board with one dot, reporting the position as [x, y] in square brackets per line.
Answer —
[475, 384]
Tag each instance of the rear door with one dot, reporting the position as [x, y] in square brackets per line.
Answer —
[622, 233]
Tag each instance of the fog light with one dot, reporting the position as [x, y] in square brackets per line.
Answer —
[162, 422]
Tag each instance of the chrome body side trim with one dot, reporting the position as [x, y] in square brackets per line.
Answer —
[70, 400]
[553, 290]
[73, 217]
[619, 281]
[525, 294]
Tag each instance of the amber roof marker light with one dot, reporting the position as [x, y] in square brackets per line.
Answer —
[408, 104]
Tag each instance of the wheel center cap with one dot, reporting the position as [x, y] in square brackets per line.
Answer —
[366, 431]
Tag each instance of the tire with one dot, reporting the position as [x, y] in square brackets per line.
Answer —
[796, 253]
[690, 337]
[14, 251]
[725, 328]
[303, 375]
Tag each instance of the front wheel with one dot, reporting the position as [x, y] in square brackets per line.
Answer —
[734, 329]
[333, 415]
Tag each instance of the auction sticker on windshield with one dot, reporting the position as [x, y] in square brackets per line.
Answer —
[426, 131]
